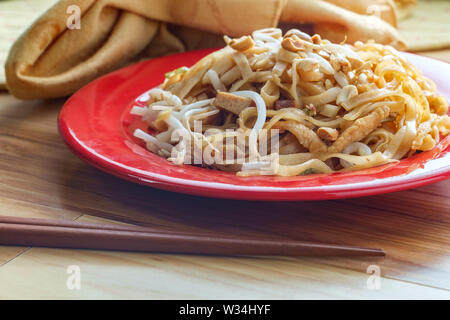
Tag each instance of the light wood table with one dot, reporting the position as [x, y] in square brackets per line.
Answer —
[41, 178]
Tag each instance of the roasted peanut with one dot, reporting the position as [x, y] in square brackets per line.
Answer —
[241, 44]
[293, 44]
[329, 134]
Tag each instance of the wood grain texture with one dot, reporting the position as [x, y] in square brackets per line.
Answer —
[42, 178]
[41, 273]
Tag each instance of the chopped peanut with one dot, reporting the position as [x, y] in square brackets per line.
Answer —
[292, 44]
[355, 63]
[329, 134]
[316, 39]
[241, 44]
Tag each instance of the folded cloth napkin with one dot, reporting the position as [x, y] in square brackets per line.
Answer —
[54, 58]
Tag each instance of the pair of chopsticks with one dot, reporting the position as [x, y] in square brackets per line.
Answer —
[70, 234]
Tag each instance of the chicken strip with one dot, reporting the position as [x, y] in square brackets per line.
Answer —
[307, 138]
[360, 129]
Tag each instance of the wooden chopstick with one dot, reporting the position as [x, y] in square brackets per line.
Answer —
[67, 234]
[82, 225]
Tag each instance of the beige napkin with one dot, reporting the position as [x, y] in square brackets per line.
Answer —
[50, 60]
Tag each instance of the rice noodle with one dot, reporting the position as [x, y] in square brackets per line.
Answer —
[214, 80]
[360, 148]
[325, 66]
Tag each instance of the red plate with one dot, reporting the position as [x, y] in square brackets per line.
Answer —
[96, 125]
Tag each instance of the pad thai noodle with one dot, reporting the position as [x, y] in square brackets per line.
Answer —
[269, 104]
